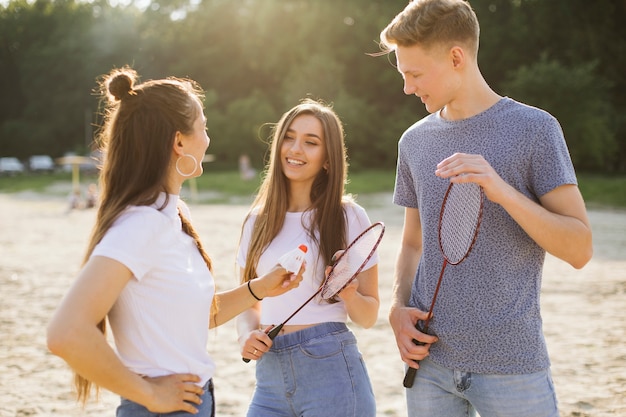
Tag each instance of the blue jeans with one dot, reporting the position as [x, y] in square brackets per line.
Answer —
[129, 408]
[444, 392]
[313, 372]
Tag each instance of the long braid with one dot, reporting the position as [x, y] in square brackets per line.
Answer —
[188, 229]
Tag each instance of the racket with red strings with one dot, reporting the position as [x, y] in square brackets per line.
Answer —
[343, 271]
[459, 221]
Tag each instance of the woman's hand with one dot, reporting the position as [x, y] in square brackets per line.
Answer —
[276, 282]
[255, 344]
[177, 392]
[360, 295]
[350, 291]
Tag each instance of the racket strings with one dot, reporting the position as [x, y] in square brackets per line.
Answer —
[459, 221]
[351, 261]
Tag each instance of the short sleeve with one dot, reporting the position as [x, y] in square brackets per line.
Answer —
[131, 240]
[551, 165]
[404, 193]
[358, 221]
[244, 242]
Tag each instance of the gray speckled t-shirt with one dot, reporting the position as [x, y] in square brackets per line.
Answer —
[487, 314]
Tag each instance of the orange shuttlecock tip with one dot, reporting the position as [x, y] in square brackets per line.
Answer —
[303, 248]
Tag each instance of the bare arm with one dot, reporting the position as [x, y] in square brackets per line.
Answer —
[401, 317]
[253, 342]
[559, 224]
[361, 298]
[73, 335]
[232, 302]
[408, 258]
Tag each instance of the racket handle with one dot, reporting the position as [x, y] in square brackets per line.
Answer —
[272, 334]
[409, 377]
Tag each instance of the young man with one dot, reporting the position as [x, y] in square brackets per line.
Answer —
[486, 352]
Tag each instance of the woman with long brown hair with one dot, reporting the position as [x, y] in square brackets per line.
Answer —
[145, 269]
[313, 367]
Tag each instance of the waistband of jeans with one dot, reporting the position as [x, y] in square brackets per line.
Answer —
[301, 336]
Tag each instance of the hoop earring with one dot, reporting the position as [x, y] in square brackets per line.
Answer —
[195, 165]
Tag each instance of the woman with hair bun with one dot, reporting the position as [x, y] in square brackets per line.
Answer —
[145, 269]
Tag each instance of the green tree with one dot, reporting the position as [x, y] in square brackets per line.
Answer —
[578, 99]
[257, 58]
[49, 53]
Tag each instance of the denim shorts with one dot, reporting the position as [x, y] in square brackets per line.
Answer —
[317, 371]
[129, 408]
[443, 392]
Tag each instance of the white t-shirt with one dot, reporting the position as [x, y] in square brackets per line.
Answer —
[160, 321]
[276, 309]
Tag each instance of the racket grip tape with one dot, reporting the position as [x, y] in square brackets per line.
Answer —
[272, 334]
[409, 377]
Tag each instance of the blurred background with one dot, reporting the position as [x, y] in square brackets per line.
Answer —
[257, 58]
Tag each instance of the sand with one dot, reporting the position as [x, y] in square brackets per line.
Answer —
[41, 247]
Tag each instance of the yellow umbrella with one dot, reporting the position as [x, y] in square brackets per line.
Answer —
[76, 161]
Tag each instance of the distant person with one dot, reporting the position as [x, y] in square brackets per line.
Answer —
[91, 200]
[313, 367]
[246, 171]
[487, 352]
[74, 200]
[145, 267]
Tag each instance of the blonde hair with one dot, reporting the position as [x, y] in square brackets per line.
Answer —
[327, 193]
[431, 23]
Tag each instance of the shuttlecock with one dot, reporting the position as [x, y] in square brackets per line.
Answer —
[292, 260]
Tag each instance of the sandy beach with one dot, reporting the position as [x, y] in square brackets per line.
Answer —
[41, 247]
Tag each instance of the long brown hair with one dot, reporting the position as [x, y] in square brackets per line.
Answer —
[136, 139]
[327, 192]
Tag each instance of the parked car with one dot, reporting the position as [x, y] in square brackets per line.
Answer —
[41, 163]
[10, 166]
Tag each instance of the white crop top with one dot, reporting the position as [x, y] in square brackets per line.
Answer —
[276, 309]
[160, 322]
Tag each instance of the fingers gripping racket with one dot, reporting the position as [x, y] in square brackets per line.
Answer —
[345, 269]
[459, 221]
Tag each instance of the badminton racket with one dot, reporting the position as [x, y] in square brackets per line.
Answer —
[459, 221]
[344, 270]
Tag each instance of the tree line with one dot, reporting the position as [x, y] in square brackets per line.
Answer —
[257, 58]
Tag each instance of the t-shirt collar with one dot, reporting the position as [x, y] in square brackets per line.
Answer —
[171, 209]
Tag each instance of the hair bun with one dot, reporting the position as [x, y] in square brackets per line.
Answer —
[121, 83]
